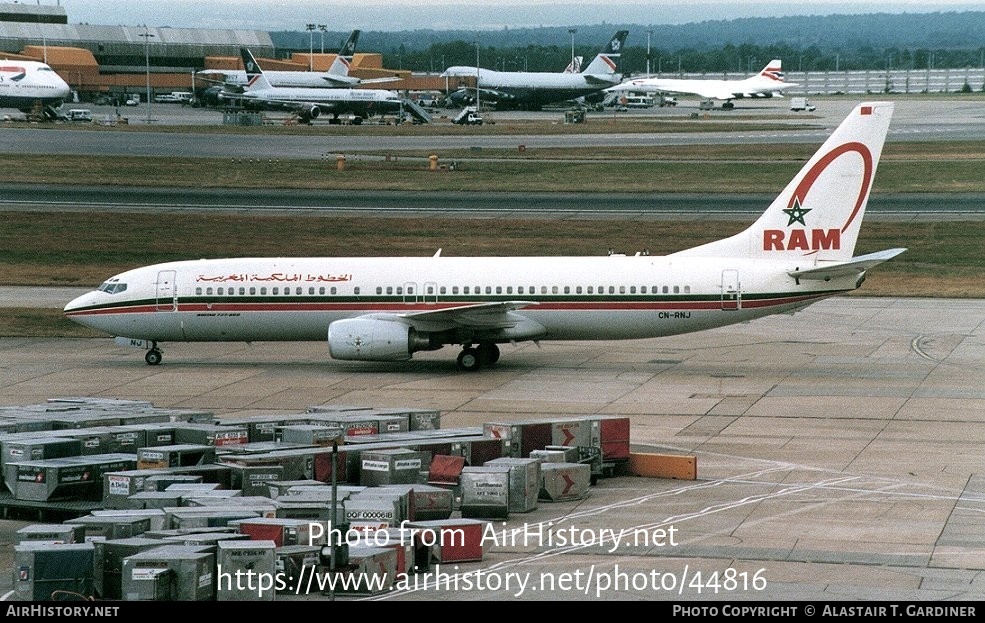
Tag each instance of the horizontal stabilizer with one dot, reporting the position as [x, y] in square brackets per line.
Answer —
[854, 266]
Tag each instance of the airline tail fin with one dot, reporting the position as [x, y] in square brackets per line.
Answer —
[254, 75]
[340, 66]
[773, 71]
[605, 61]
[818, 215]
[574, 67]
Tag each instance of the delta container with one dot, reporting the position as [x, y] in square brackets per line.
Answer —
[119, 486]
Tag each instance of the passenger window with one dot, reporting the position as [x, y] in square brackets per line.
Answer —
[553, 289]
[242, 291]
[454, 289]
[591, 290]
[519, 290]
[488, 289]
[219, 291]
[198, 291]
[356, 290]
[664, 289]
[499, 289]
[677, 289]
[612, 289]
[321, 291]
[297, 291]
[687, 289]
[311, 290]
[632, 289]
[567, 289]
[578, 290]
[509, 289]
[389, 289]
[622, 289]
[208, 290]
[275, 291]
[400, 290]
[252, 290]
[642, 289]
[263, 290]
[334, 290]
[441, 290]
[466, 289]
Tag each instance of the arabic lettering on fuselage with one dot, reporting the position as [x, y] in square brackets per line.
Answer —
[279, 277]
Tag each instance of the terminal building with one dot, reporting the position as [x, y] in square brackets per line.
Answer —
[123, 60]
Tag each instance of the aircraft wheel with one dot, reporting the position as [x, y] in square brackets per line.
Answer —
[488, 353]
[153, 357]
[468, 360]
[728, 106]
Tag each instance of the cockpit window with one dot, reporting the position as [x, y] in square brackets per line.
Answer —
[112, 287]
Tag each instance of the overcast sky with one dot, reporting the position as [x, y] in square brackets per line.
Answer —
[394, 15]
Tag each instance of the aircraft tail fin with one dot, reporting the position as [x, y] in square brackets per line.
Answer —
[605, 61]
[773, 71]
[818, 215]
[343, 60]
[254, 75]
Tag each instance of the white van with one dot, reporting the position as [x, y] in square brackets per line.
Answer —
[83, 115]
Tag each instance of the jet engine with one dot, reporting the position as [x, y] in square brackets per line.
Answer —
[309, 112]
[372, 339]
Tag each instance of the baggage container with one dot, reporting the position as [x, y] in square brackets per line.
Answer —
[311, 435]
[556, 454]
[453, 540]
[78, 478]
[112, 527]
[254, 480]
[165, 478]
[486, 492]
[521, 437]
[156, 516]
[277, 488]
[368, 513]
[108, 563]
[259, 428]
[211, 435]
[215, 473]
[294, 560]
[51, 533]
[371, 570]
[562, 482]
[236, 559]
[119, 486]
[171, 573]
[18, 450]
[393, 466]
[206, 517]
[524, 482]
[44, 571]
[178, 455]
[427, 502]
[283, 532]
[152, 500]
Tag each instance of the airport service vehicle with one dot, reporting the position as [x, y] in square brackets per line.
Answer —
[799, 251]
[468, 116]
[799, 104]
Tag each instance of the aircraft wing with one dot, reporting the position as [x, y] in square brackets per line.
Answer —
[855, 265]
[495, 317]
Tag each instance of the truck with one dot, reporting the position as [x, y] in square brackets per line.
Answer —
[798, 104]
[468, 116]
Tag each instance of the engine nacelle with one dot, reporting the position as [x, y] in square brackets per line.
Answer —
[369, 339]
[309, 112]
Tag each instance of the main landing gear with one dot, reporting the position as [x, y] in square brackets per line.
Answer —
[153, 356]
[471, 359]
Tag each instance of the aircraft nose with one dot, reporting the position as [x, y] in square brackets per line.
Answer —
[78, 303]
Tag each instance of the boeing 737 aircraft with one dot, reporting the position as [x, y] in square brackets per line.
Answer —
[386, 309]
[25, 85]
[309, 103]
[767, 83]
[531, 90]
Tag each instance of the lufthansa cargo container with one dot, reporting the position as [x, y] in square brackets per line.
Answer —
[486, 492]
[524, 482]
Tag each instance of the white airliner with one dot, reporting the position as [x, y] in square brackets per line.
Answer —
[336, 76]
[309, 103]
[767, 83]
[386, 308]
[25, 85]
[531, 90]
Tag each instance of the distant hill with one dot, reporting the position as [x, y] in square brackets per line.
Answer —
[859, 41]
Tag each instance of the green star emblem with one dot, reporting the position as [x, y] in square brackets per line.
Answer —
[797, 213]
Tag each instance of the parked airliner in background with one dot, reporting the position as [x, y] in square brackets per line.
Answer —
[530, 90]
[336, 76]
[309, 103]
[30, 85]
[386, 309]
[767, 83]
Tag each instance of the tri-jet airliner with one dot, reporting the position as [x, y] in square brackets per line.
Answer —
[30, 85]
[799, 251]
[767, 83]
[532, 90]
